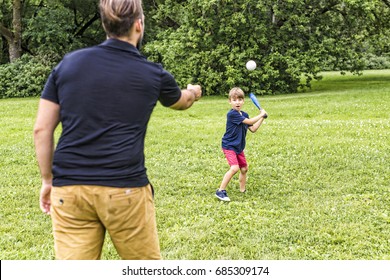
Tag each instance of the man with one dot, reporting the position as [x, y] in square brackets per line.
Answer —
[96, 180]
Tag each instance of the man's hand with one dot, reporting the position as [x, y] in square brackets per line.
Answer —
[196, 89]
[44, 199]
[188, 96]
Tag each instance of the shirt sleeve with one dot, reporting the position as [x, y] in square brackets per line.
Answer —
[235, 117]
[170, 92]
[50, 90]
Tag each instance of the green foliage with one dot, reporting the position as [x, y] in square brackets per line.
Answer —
[25, 77]
[209, 42]
[63, 27]
[376, 62]
[51, 29]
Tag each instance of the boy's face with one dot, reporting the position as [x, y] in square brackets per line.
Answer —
[236, 103]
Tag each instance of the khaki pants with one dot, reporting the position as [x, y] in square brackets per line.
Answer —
[82, 214]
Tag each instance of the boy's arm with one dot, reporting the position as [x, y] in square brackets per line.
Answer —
[256, 126]
[253, 121]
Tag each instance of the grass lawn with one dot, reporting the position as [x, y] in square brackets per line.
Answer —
[318, 180]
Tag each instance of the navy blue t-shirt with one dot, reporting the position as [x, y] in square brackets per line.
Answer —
[234, 137]
[106, 95]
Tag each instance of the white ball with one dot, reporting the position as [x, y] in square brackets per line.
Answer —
[251, 65]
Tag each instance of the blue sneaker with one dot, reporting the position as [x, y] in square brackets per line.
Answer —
[222, 195]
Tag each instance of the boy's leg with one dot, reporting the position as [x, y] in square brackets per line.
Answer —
[228, 176]
[243, 170]
[232, 159]
[221, 193]
[242, 178]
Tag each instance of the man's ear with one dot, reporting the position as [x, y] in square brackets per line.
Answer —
[139, 25]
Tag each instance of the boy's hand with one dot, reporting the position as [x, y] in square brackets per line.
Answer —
[263, 113]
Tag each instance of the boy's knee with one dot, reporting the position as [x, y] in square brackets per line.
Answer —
[234, 168]
[244, 169]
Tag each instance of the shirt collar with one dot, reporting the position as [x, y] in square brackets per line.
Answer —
[121, 45]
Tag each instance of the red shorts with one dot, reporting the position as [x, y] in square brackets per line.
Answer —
[235, 159]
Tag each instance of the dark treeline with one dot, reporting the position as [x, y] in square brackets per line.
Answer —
[205, 41]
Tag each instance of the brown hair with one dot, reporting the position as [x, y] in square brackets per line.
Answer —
[236, 92]
[118, 16]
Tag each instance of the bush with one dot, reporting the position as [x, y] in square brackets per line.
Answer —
[25, 77]
[377, 62]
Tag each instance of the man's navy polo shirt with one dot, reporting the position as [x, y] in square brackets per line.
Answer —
[106, 95]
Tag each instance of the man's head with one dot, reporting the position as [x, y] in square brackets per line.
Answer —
[119, 16]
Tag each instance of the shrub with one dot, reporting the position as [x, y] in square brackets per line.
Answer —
[377, 62]
[25, 77]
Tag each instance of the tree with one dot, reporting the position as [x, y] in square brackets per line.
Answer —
[13, 34]
[42, 26]
[48, 29]
[61, 26]
[209, 41]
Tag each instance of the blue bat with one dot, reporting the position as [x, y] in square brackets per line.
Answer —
[256, 102]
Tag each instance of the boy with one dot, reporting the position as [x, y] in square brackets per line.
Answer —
[233, 141]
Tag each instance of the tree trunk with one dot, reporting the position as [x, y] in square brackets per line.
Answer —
[14, 35]
[15, 49]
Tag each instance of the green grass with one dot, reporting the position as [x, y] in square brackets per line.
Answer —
[318, 181]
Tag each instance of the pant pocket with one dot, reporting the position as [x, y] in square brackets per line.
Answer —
[62, 200]
[126, 208]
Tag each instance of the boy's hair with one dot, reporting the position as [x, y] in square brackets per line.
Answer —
[236, 93]
[118, 16]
